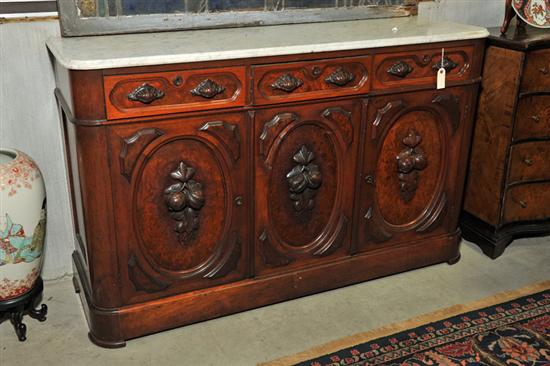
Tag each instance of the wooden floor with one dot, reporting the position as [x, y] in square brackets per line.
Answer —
[284, 329]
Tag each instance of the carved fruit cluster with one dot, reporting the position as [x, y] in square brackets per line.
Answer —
[184, 200]
[409, 161]
[303, 180]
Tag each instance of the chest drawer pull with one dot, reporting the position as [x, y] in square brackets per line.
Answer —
[145, 94]
[208, 89]
[287, 83]
[544, 70]
[523, 204]
[445, 63]
[535, 118]
[528, 162]
[400, 69]
[340, 77]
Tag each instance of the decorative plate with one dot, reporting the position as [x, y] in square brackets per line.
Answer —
[534, 12]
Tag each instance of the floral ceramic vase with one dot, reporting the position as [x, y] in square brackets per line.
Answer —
[22, 223]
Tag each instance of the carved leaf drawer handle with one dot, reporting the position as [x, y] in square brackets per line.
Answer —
[340, 77]
[400, 69]
[145, 94]
[184, 199]
[207, 89]
[544, 70]
[304, 180]
[445, 63]
[528, 162]
[535, 118]
[287, 83]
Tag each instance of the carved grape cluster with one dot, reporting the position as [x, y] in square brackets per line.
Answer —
[409, 162]
[303, 180]
[184, 199]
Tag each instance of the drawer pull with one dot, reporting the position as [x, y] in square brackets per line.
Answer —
[544, 70]
[239, 200]
[340, 77]
[523, 204]
[528, 162]
[208, 89]
[445, 63]
[535, 118]
[287, 83]
[145, 94]
[369, 179]
[400, 69]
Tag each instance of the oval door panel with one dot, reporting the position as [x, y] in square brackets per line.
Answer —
[303, 184]
[180, 205]
[410, 167]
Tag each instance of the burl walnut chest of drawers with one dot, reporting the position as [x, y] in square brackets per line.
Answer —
[508, 190]
[207, 183]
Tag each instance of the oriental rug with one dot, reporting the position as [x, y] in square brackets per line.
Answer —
[509, 329]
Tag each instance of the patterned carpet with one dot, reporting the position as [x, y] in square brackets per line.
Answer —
[510, 333]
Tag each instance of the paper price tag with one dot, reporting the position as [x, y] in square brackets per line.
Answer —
[441, 75]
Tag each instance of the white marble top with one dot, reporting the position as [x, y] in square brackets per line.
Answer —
[87, 53]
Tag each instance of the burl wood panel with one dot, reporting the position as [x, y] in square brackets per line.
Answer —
[493, 130]
[311, 80]
[180, 193]
[537, 71]
[149, 94]
[530, 161]
[305, 162]
[413, 147]
[533, 117]
[420, 67]
[527, 202]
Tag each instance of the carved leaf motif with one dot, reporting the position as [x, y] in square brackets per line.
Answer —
[287, 83]
[208, 89]
[340, 77]
[409, 162]
[184, 200]
[303, 180]
[445, 63]
[400, 69]
[145, 94]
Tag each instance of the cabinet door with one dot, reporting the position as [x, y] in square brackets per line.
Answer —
[181, 204]
[305, 178]
[414, 164]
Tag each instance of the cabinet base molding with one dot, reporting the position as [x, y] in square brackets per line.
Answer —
[493, 241]
[111, 328]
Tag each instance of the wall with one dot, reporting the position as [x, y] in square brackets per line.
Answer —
[29, 121]
[486, 13]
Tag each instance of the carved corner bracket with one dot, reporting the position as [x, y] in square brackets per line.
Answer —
[304, 180]
[184, 199]
[409, 162]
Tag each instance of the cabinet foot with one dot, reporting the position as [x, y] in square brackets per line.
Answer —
[454, 260]
[106, 344]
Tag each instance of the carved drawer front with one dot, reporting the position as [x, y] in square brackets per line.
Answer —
[527, 202]
[419, 67]
[310, 80]
[181, 204]
[530, 161]
[533, 117]
[305, 176]
[172, 92]
[536, 76]
[413, 158]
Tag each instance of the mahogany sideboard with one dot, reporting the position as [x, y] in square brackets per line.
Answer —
[218, 171]
[508, 189]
